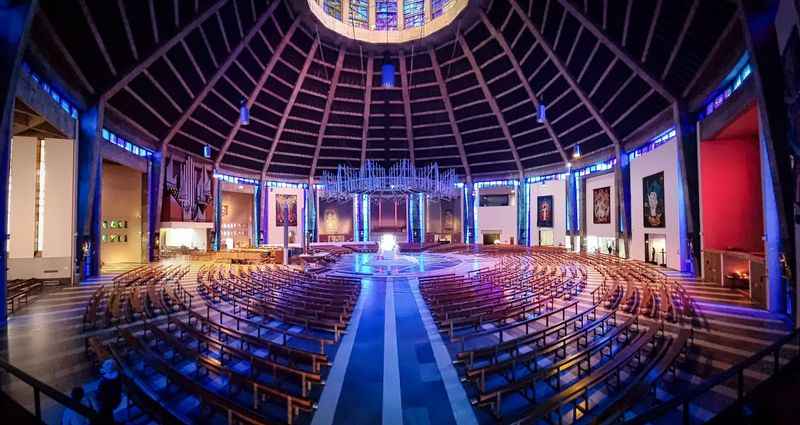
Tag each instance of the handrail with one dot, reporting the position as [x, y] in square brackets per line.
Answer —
[686, 399]
[40, 387]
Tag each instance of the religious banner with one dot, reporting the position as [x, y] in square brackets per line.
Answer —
[653, 200]
[544, 211]
[281, 202]
[602, 205]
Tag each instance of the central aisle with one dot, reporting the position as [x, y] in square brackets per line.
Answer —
[392, 367]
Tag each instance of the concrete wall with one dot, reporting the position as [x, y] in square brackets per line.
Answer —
[594, 229]
[122, 200]
[237, 218]
[22, 205]
[558, 189]
[55, 260]
[663, 158]
[501, 220]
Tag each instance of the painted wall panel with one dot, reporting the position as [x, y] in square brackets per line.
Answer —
[275, 231]
[22, 202]
[122, 199]
[598, 229]
[501, 220]
[558, 190]
[59, 194]
[663, 158]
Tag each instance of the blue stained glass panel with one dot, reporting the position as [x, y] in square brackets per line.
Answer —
[359, 13]
[333, 8]
[413, 13]
[386, 15]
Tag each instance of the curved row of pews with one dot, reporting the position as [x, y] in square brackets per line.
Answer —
[254, 349]
[137, 294]
[533, 343]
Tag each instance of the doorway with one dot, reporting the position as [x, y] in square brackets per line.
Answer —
[655, 249]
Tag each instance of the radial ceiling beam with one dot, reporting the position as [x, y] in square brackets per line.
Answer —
[492, 101]
[48, 26]
[128, 33]
[259, 86]
[217, 75]
[450, 115]
[405, 89]
[367, 103]
[734, 21]
[289, 106]
[167, 45]
[678, 43]
[616, 49]
[521, 75]
[567, 76]
[97, 38]
[326, 114]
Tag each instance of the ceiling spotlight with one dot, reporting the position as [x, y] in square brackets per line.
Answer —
[244, 113]
[541, 113]
[576, 152]
[387, 72]
[569, 164]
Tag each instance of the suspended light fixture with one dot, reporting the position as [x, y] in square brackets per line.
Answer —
[244, 113]
[576, 152]
[541, 113]
[387, 72]
[206, 151]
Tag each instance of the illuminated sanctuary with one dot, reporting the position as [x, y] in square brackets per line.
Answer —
[400, 212]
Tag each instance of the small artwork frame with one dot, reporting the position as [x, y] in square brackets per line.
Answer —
[544, 211]
[601, 205]
[653, 201]
[290, 216]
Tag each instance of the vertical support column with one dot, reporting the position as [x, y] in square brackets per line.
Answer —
[257, 202]
[371, 14]
[155, 187]
[575, 229]
[312, 227]
[90, 166]
[15, 22]
[523, 213]
[356, 218]
[217, 188]
[366, 212]
[689, 188]
[416, 218]
[758, 19]
[265, 226]
[469, 197]
[622, 181]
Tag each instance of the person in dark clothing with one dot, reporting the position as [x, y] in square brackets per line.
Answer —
[109, 392]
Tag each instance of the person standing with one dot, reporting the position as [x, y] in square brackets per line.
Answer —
[109, 392]
[72, 417]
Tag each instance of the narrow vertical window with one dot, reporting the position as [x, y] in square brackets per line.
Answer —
[40, 197]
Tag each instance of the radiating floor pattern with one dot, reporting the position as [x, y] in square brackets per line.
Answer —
[392, 367]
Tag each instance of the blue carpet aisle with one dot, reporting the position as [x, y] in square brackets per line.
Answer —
[385, 381]
[360, 401]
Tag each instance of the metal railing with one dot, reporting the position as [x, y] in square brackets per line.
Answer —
[40, 388]
[685, 400]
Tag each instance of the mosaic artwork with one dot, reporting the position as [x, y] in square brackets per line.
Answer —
[282, 216]
[544, 211]
[653, 200]
[601, 210]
